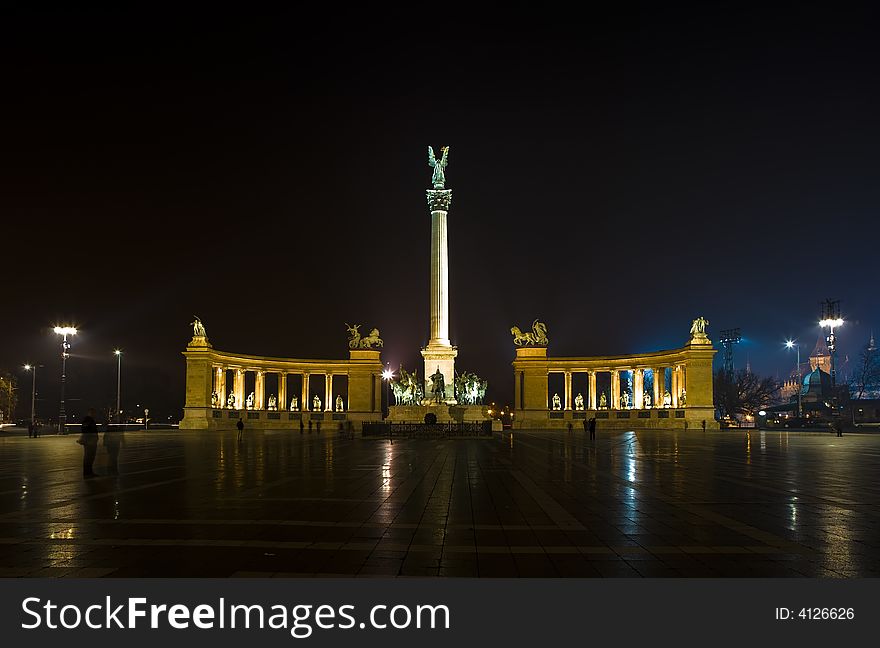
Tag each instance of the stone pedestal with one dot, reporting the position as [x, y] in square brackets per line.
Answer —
[443, 358]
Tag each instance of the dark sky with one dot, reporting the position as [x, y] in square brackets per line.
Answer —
[616, 172]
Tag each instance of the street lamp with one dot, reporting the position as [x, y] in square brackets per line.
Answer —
[118, 354]
[387, 375]
[33, 368]
[63, 331]
[788, 345]
[831, 318]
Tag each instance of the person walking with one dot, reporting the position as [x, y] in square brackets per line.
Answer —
[240, 426]
[88, 439]
[593, 429]
[114, 439]
[704, 425]
[838, 427]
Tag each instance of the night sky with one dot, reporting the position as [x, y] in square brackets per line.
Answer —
[616, 174]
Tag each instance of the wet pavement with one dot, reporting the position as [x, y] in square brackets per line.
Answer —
[650, 504]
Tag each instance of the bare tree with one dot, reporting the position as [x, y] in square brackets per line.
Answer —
[8, 397]
[866, 377]
[743, 392]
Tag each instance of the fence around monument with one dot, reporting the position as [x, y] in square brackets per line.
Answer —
[427, 430]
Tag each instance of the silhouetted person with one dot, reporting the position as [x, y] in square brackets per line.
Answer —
[587, 425]
[310, 426]
[569, 427]
[31, 427]
[301, 426]
[113, 441]
[838, 427]
[318, 423]
[240, 426]
[88, 439]
[704, 425]
[593, 429]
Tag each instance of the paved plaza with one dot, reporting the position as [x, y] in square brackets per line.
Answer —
[527, 504]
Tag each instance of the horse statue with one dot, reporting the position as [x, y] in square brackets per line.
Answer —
[536, 337]
[372, 340]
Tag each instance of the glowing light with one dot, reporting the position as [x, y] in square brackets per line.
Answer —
[762, 413]
[387, 374]
[27, 367]
[117, 352]
[831, 322]
[65, 330]
[789, 344]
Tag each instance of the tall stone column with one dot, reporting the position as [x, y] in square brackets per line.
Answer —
[659, 386]
[615, 389]
[305, 405]
[328, 392]
[282, 390]
[238, 388]
[220, 385]
[675, 384]
[260, 390]
[593, 396]
[439, 354]
[638, 388]
[568, 390]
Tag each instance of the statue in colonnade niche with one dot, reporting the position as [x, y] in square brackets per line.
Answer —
[250, 401]
[339, 404]
[273, 402]
[230, 400]
[667, 399]
[316, 404]
[682, 399]
[647, 399]
[625, 400]
[215, 400]
[603, 401]
[294, 404]
[579, 402]
[557, 403]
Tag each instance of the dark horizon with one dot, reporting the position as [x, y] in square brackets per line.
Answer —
[615, 176]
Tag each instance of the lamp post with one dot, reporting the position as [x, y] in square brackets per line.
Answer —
[788, 345]
[118, 354]
[831, 319]
[387, 375]
[63, 331]
[33, 368]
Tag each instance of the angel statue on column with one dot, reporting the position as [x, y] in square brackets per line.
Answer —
[439, 177]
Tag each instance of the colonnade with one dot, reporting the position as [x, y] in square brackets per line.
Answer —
[304, 400]
[676, 388]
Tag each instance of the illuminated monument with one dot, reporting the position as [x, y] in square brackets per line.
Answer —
[439, 355]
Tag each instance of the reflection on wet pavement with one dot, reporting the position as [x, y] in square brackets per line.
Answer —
[654, 504]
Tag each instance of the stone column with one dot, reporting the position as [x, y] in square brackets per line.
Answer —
[282, 390]
[682, 385]
[260, 390]
[638, 388]
[659, 386]
[675, 382]
[593, 397]
[328, 392]
[568, 390]
[220, 385]
[439, 354]
[238, 388]
[615, 389]
[304, 404]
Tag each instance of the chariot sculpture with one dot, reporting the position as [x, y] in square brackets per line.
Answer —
[536, 337]
[355, 341]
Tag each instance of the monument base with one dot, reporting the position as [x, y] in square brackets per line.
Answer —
[444, 413]
[440, 357]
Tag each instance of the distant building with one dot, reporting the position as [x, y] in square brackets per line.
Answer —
[820, 359]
